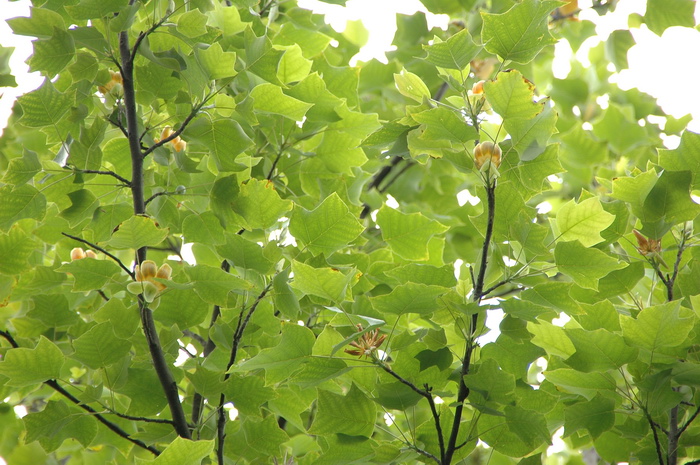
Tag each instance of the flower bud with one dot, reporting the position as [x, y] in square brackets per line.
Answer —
[90, 254]
[146, 271]
[164, 271]
[167, 131]
[487, 151]
[77, 253]
[478, 88]
[179, 145]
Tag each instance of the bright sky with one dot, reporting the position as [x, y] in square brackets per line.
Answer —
[660, 66]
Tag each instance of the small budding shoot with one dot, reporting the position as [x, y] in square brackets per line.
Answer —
[487, 153]
[367, 344]
[650, 248]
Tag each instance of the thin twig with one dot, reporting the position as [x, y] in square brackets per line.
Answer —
[180, 130]
[100, 249]
[237, 336]
[690, 420]
[106, 173]
[657, 443]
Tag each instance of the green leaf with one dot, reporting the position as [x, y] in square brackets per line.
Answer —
[585, 266]
[296, 344]
[20, 202]
[192, 24]
[184, 452]
[411, 86]
[15, 249]
[455, 53]
[327, 283]
[52, 55]
[617, 46]
[244, 253]
[205, 228]
[217, 63]
[491, 382]
[530, 426]
[224, 138]
[99, 347]
[596, 415]
[53, 310]
[551, 338]
[293, 66]
[599, 350]
[684, 158]
[520, 33]
[24, 367]
[327, 228]
[583, 221]
[213, 285]
[634, 190]
[58, 422]
[407, 234]
[21, 170]
[92, 9]
[44, 106]
[340, 152]
[83, 205]
[410, 298]
[658, 327]
[90, 273]
[512, 96]
[530, 136]
[443, 124]
[268, 98]
[259, 204]
[137, 232]
[260, 57]
[258, 439]
[353, 414]
[41, 23]
[619, 129]
[585, 384]
[662, 14]
[181, 307]
[668, 203]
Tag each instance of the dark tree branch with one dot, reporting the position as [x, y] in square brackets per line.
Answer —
[463, 392]
[125, 181]
[137, 190]
[690, 420]
[657, 443]
[237, 336]
[53, 384]
[100, 249]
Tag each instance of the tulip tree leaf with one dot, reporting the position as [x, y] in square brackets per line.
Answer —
[100, 347]
[352, 414]
[512, 96]
[657, 327]
[585, 266]
[58, 422]
[137, 232]
[327, 228]
[455, 53]
[583, 221]
[24, 367]
[407, 234]
[521, 32]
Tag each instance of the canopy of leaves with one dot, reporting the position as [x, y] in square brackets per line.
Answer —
[222, 242]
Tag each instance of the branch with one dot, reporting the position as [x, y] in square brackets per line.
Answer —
[469, 349]
[657, 443]
[687, 423]
[415, 388]
[237, 336]
[106, 173]
[52, 383]
[180, 130]
[137, 191]
[100, 249]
